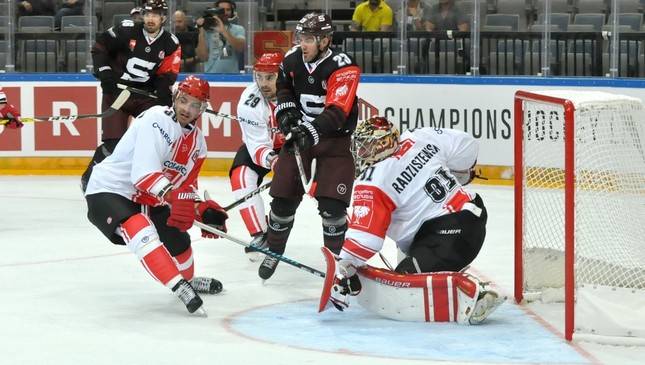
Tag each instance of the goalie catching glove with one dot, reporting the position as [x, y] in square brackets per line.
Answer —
[211, 213]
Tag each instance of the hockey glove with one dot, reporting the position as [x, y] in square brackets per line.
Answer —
[108, 82]
[346, 282]
[302, 137]
[14, 122]
[211, 213]
[182, 208]
[288, 116]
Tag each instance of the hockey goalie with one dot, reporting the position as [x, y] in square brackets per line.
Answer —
[411, 188]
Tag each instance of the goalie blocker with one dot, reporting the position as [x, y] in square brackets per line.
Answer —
[430, 297]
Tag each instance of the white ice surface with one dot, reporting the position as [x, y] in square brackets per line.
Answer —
[68, 296]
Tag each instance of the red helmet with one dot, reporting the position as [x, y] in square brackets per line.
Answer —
[194, 86]
[269, 62]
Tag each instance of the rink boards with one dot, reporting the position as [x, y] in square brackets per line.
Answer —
[481, 106]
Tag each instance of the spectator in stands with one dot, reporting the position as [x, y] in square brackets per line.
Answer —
[413, 16]
[446, 16]
[36, 7]
[372, 16]
[68, 7]
[187, 35]
[136, 14]
[220, 43]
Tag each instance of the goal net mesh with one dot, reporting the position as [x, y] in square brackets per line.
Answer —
[609, 191]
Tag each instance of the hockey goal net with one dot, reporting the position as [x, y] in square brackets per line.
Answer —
[580, 210]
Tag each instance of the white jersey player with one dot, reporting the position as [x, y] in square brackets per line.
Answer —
[143, 194]
[262, 142]
[411, 189]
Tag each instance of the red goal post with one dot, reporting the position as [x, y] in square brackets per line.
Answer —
[580, 210]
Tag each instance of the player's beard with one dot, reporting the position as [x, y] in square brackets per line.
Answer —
[152, 28]
[268, 93]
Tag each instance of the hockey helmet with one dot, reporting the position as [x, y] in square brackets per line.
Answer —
[269, 62]
[317, 24]
[158, 6]
[196, 87]
[374, 140]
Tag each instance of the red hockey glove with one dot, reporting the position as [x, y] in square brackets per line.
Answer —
[211, 213]
[182, 208]
[14, 118]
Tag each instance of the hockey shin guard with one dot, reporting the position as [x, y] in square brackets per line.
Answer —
[142, 239]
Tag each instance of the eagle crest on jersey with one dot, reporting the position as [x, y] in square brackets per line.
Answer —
[373, 140]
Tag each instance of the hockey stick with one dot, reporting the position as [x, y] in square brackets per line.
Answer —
[137, 91]
[303, 177]
[247, 196]
[265, 251]
[116, 105]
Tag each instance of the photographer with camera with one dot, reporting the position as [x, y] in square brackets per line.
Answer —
[220, 42]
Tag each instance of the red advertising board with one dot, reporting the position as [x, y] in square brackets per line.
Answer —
[65, 100]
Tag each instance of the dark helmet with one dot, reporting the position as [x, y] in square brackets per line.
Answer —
[158, 6]
[317, 24]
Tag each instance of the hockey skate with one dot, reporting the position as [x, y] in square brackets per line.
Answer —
[259, 241]
[268, 267]
[189, 297]
[486, 304]
[206, 285]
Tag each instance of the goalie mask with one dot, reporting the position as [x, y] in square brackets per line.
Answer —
[373, 140]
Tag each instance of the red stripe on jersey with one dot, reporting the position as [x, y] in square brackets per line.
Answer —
[440, 298]
[134, 225]
[457, 201]
[191, 179]
[356, 249]
[237, 178]
[258, 155]
[426, 304]
[341, 88]
[185, 148]
[171, 63]
[371, 211]
[148, 181]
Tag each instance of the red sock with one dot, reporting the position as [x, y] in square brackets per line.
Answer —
[186, 264]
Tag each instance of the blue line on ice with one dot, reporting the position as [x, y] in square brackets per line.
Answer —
[509, 335]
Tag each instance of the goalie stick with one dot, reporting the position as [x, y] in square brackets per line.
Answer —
[265, 251]
[116, 105]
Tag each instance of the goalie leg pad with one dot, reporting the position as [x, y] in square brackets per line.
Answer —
[244, 180]
[142, 239]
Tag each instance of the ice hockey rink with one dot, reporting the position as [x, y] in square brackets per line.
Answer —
[71, 297]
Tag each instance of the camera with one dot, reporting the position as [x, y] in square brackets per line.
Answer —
[209, 17]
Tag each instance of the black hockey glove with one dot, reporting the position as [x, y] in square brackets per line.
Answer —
[288, 116]
[302, 137]
[108, 82]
